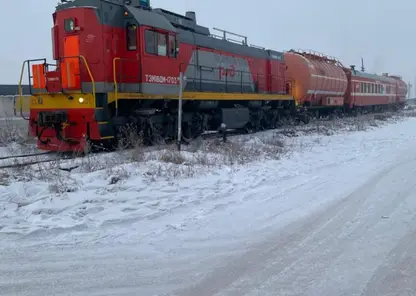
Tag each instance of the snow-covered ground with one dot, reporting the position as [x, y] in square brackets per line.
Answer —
[112, 188]
[310, 215]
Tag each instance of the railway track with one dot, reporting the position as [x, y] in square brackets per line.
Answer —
[33, 158]
[25, 155]
[288, 130]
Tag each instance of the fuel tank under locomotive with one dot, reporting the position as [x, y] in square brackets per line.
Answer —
[197, 118]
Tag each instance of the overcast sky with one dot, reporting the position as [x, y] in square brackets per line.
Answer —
[383, 32]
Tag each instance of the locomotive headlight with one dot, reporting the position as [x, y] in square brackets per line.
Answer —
[81, 100]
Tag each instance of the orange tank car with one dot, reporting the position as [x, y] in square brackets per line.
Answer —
[317, 80]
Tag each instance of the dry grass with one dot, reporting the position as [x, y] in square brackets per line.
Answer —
[11, 132]
[196, 158]
[117, 174]
[172, 156]
[410, 112]
[203, 155]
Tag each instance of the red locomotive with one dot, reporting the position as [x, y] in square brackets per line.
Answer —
[118, 64]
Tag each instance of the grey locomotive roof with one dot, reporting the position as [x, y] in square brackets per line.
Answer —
[192, 33]
[182, 21]
[203, 40]
[189, 30]
[13, 89]
[151, 19]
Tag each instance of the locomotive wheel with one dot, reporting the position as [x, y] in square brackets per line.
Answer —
[264, 124]
[248, 128]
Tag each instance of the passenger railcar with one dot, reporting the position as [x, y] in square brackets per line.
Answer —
[372, 92]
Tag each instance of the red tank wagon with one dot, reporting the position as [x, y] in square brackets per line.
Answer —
[318, 80]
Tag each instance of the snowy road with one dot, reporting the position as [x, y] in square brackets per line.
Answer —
[341, 226]
[362, 245]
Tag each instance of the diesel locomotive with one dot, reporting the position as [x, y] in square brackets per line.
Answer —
[118, 64]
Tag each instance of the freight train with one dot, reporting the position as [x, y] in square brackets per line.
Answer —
[118, 63]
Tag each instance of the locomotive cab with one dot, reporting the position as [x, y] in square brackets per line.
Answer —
[151, 54]
[100, 49]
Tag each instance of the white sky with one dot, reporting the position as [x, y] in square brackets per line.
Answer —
[380, 31]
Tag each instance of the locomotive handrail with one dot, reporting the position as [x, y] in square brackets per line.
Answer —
[88, 71]
[121, 78]
[262, 80]
[115, 83]
[90, 74]
[20, 90]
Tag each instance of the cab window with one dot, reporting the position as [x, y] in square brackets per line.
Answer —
[172, 46]
[160, 44]
[131, 37]
[150, 41]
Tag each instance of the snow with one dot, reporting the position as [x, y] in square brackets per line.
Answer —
[187, 216]
[153, 190]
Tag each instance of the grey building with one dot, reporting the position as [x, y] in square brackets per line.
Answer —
[13, 89]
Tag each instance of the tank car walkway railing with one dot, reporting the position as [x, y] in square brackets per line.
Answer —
[318, 56]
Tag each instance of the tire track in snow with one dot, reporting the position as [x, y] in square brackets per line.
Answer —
[285, 250]
[397, 275]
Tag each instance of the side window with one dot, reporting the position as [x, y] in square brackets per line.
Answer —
[172, 46]
[131, 37]
[150, 41]
[162, 44]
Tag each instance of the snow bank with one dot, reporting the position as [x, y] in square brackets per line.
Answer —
[160, 191]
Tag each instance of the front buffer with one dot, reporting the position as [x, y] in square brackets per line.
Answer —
[62, 123]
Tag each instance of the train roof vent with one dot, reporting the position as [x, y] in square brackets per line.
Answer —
[191, 15]
[147, 18]
[187, 22]
[144, 4]
[396, 77]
